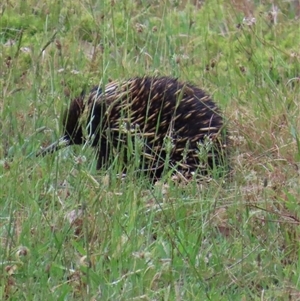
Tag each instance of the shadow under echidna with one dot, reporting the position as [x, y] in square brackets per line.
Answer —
[168, 124]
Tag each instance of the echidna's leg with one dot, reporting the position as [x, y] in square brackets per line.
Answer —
[103, 153]
[101, 161]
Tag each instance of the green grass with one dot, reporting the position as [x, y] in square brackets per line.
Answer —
[69, 232]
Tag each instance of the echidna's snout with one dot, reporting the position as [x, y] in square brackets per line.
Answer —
[72, 128]
[57, 145]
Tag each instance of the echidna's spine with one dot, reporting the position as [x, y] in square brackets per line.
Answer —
[156, 109]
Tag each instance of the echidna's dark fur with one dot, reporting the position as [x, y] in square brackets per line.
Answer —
[169, 117]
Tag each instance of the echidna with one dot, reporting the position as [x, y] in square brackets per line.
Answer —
[169, 121]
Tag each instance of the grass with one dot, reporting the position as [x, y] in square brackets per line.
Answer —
[68, 232]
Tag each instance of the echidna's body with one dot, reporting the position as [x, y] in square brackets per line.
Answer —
[169, 119]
